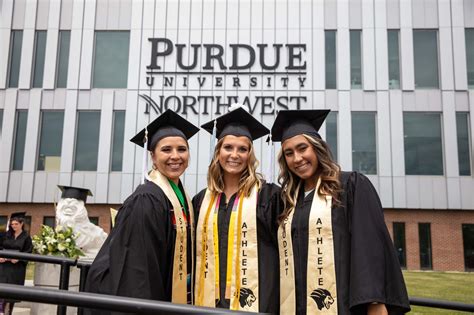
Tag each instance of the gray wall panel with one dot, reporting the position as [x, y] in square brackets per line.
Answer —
[42, 14]
[19, 10]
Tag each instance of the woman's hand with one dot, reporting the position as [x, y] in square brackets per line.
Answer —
[14, 261]
[2, 260]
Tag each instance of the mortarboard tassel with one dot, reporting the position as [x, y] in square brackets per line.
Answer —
[145, 157]
[213, 141]
[270, 171]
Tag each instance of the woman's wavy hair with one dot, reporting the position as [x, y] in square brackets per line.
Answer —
[328, 171]
[248, 178]
[20, 220]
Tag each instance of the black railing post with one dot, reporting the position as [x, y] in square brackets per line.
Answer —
[84, 267]
[63, 284]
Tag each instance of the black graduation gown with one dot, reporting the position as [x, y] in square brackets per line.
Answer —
[10, 272]
[136, 259]
[367, 268]
[269, 206]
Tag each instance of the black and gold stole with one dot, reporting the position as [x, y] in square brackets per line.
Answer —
[242, 255]
[179, 286]
[321, 283]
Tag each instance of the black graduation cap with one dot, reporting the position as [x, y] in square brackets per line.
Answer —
[290, 123]
[168, 124]
[237, 122]
[75, 192]
[18, 215]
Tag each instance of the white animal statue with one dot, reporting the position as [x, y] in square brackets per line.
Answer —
[72, 212]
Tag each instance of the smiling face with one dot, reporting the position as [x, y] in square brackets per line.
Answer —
[16, 225]
[171, 157]
[234, 154]
[301, 159]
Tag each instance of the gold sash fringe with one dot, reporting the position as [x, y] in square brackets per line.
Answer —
[180, 266]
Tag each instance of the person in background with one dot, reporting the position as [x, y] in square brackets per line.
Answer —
[149, 252]
[336, 255]
[13, 271]
[236, 244]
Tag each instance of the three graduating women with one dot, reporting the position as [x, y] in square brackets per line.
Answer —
[236, 247]
[149, 252]
[336, 256]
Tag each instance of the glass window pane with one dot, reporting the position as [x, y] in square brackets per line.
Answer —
[15, 58]
[356, 60]
[40, 50]
[469, 33]
[94, 220]
[49, 221]
[49, 155]
[117, 144]
[425, 45]
[364, 152]
[111, 59]
[468, 242]
[63, 58]
[87, 141]
[462, 127]
[424, 233]
[330, 53]
[20, 137]
[422, 135]
[3, 224]
[331, 133]
[393, 59]
[399, 242]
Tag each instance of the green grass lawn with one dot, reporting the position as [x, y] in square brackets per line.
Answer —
[451, 286]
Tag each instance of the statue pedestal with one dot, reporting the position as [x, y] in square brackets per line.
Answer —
[47, 276]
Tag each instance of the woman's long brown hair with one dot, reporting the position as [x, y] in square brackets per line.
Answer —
[328, 171]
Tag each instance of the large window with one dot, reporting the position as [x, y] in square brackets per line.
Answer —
[111, 59]
[87, 141]
[356, 59]
[3, 224]
[49, 221]
[63, 58]
[117, 144]
[330, 55]
[462, 128]
[49, 155]
[470, 56]
[20, 137]
[425, 45]
[15, 58]
[38, 66]
[424, 233]
[423, 147]
[399, 242]
[364, 151]
[468, 242]
[331, 133]
[393, 59]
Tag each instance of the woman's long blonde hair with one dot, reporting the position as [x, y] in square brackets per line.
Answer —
[328, 171]
[249, 177]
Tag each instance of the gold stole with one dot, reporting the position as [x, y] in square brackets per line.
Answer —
[242, 278]
[180, 266]
[321, 274]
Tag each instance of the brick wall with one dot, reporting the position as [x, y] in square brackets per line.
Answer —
[446, 235]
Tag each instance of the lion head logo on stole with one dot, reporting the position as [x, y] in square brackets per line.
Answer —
[323, 298]
[246, 297]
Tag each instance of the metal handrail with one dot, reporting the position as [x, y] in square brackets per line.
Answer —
[449, 305]
[103, 302]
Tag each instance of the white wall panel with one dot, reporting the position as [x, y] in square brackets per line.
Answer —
[459, 58]
[467, 197]
[101, 14]
[4, 56]
[26, 193]
[69, 134]
[413, 187]
[368, 17]
[8, 132]
[39, 187]
[26, 58]
[317, 13]
[431, 13]
[384, 145]
[446, 59]
[136, 18]
[30, 14]
[440, 199]
[75, 49]
[357, 100]
[105, 138]
[42, 15]
[113, 15]
[468, 13]
[87, 51]
[6, 14]
[4, 178]
[316, 65]
[47, 100]
[368, 59]
[396, 131]
[78, 14]
[434, 100]
[14, 186]
[32, 130]
[385, 191]
[342, 14]
[418, 14]
[330, 14]
[344, 131]
[392, 13]
[405, 13]
[49, 75]
[19, 10]
[52, 190]
[407, 72]
[453, 192]
[381, 59]
[59, 99]
[66, 15]
[115, 183]
[444, 10]
[125, 17]
[343, 59]
[457, 14]
[144, 60]
[399, 192]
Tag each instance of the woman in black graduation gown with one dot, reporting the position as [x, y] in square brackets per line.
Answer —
[13, 271]
[148, 253]
[240, 270]
[337, 254]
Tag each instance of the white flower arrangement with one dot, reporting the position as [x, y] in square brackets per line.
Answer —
[60, 241]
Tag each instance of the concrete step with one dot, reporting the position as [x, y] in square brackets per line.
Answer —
[21, 310]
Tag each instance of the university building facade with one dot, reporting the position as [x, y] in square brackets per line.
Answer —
[79, 78]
